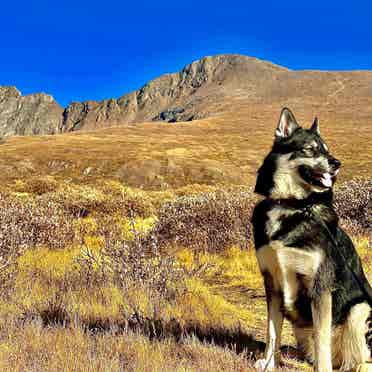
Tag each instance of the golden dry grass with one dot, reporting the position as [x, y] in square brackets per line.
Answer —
[223, 304]
[71, 349]
[227, 297]
[61, 311]
[226, 149]
[58, 316]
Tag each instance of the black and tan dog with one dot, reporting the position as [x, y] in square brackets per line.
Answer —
[313, 275]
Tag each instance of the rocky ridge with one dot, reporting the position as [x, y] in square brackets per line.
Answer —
[26, 115]
[208, 87]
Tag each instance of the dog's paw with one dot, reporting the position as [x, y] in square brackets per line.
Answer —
[264, 365]
[365, 367]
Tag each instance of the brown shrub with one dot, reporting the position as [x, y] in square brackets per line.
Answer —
[39, 185]
[84, 200]
[30, 222]
[208, 221]
[219, 219]
[134, 262]
[130, 202]
[353, 203]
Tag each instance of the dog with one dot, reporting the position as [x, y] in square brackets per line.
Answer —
[312, 273]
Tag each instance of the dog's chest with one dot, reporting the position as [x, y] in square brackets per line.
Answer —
[287, 265]
[292, 270]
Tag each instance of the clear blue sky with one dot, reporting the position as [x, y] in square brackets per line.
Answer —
[79, 50]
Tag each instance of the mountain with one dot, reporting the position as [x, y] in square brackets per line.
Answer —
[183, 96]
[32, 114]
[209, 87]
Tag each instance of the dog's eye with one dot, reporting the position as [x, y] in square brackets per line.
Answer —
[308, 150]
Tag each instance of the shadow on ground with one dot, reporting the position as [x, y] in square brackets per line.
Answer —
[238, 340]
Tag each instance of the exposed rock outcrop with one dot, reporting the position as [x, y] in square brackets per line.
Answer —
[31, 114]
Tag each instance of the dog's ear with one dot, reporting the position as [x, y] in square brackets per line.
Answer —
[287, 124]
[315, 127]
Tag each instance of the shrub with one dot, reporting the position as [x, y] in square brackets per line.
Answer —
[109, 198]
[37, 185]
[208, 221]
[30, 222]
[80, 201]
[134, 261]
[130, 201]
[353, 202]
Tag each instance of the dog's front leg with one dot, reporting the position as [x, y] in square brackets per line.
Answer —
[321, 308]
[274, 331]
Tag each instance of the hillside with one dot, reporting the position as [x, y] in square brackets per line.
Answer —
[210, 87]
[223, 150]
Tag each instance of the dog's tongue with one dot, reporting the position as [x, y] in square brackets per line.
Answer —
[326, 180]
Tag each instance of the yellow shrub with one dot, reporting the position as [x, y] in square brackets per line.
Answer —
[186, 257]
[99, 304]
[40, 185]
[55, 280]
[140, 226]
[363, 247]
[200, 306]
[88, 225]
[94, 243]
[232, 267]
[131, 201]
[55, 264]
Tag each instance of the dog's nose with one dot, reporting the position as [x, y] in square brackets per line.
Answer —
[335, 162]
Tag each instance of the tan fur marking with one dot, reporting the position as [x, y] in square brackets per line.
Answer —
[273, 224]
[322, 323]
[274, 332]
[284, 263]
[350, 348]
[287, 181]
[278, 259]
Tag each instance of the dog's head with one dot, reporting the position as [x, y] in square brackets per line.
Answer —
[299, 162]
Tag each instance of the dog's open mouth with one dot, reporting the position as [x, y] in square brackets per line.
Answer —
[318, 177]
[325, 179]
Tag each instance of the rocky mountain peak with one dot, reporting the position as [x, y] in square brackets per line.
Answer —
[208, 87]
[9, 92]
